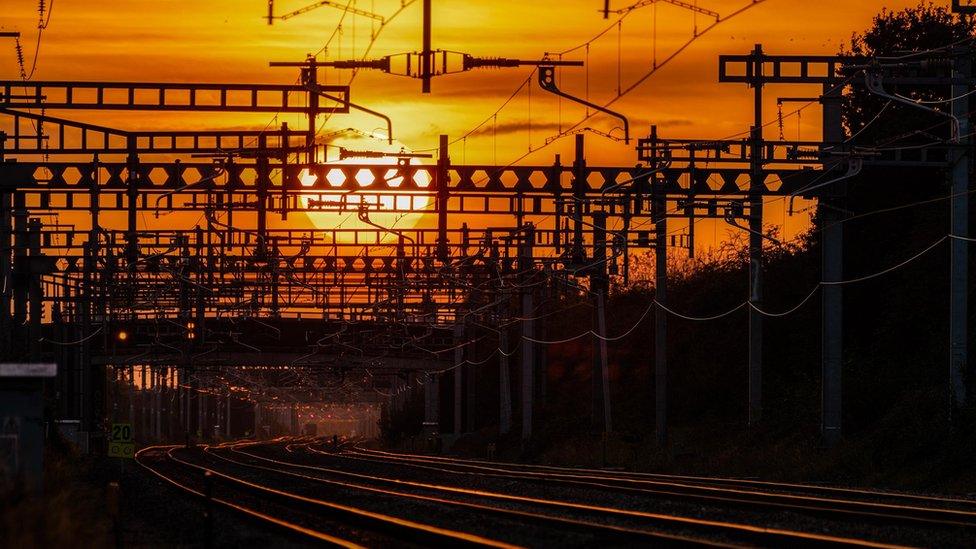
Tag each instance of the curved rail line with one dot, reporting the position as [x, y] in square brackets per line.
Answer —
[738, 531]
[404, 529]
[246, 511]
[604, 530]
[691, 491]
[785, 486]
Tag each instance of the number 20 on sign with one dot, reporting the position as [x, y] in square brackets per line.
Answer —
[120, 442]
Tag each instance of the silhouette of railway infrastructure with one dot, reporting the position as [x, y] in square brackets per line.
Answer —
[95, 282]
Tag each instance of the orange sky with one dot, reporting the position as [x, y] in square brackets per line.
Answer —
[229, 41]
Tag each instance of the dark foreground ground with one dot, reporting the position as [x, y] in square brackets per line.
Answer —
[79, 510]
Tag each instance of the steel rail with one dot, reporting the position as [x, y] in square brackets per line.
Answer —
[749, 532]
[378, 521]
[694, 479]
[701, 492]
[631, 475]
[534, 518]
[246, 511]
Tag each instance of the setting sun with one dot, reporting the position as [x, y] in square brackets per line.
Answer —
[351, 210]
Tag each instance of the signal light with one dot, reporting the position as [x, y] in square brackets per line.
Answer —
[122, 335]
[190, 326]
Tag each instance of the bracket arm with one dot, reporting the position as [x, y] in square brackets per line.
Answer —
[547, 81]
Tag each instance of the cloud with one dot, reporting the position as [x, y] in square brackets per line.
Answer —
[662, 122]
[522, 126]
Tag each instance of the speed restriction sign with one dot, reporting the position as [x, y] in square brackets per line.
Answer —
[120, 443]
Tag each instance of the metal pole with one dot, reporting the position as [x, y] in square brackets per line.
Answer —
[601, 327]
[189, 395]
[86, 383]
[458, 377]
[132, 199]
[528, 365]
[143, 413]
[151, 405]
[131, 390]
[257, 420]
[6, 272]
[661, 296]
[426, 54]
[554, 175]
[528, 333]
[542, 360]
[293, 420]
[20, 253]
[227, 433]
[598, 287]
[160, 385]
[312, 81]
[202, 415]
[35, 292]
[579, 196]
[441, 180]
[832, 257]
[432, 392]
[504, 381]
[181, 392]
[756, 187]
[199, 333]
[208, 529]
[471, 397]
[82, 404]
[959, 277]
[262, 183]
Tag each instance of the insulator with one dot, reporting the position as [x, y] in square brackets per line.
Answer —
[809, 154]
[20, 59]
[779, 105]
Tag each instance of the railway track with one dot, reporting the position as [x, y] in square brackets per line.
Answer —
[964, 504]
[809, 499]
[603, 522]
[379, 529]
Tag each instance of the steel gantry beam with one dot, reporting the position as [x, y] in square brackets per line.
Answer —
[148, 96]
[28, 133]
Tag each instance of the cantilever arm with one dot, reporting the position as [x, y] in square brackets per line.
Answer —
[875, 85]
[730, 219]
[389, 123]
[547, 81]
